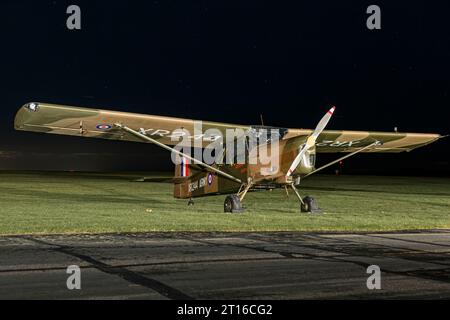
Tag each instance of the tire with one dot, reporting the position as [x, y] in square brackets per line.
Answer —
[232, 204]
[309, 205]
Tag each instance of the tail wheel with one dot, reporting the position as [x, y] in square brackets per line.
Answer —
[233, 204]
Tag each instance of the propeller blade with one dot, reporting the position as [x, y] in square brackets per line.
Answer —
[323, 123]
[311, 140]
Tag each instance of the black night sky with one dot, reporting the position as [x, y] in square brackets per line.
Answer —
[226, 61]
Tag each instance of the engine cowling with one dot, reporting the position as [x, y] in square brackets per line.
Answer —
[308, 162]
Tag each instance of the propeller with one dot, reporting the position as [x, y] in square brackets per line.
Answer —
[311, 141]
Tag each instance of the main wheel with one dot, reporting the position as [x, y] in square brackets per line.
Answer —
[310, 205]
[233, 204]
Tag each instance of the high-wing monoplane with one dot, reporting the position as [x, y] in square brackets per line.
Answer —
[233, 173]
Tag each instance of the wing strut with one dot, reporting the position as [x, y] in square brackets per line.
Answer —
[377, 143]
[162, 145]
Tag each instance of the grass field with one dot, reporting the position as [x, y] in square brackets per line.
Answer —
[33, 203]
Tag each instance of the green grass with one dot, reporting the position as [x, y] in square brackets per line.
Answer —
[76, 203]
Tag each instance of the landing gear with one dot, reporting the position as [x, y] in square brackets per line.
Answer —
[190, 202]
[307, 204]
[233, 204]
[310, 205]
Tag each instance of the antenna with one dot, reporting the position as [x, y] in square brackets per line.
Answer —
[262, 119]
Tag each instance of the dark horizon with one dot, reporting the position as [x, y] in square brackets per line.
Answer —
[228, 62]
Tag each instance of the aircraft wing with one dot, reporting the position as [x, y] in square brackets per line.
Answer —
[335, 141]
[96, 123]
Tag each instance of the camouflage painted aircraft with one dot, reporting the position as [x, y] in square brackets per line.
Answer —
[297, 148]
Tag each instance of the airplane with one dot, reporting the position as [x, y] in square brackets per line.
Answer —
[194, 178]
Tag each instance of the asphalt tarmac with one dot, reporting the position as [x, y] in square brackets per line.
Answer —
[227, 266]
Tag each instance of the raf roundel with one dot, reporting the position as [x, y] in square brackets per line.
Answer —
[104, 127]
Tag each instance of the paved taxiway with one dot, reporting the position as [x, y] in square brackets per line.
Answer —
[226, 266]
